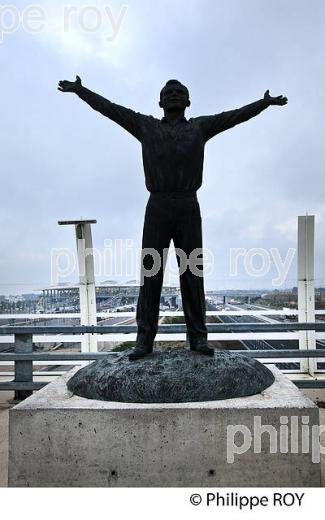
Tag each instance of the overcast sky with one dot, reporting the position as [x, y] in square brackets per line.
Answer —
[60, 159]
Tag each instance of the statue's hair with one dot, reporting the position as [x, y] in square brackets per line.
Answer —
[170, 81]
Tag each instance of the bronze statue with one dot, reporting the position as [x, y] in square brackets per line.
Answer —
[173, 153]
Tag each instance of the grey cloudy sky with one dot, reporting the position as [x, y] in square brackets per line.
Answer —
[60, 159]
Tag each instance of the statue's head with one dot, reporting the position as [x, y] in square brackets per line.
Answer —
[174, 96]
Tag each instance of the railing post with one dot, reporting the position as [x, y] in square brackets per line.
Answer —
[306, 289]
[23, 369]
[87, 289]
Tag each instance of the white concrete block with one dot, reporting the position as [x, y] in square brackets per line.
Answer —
[58, 439]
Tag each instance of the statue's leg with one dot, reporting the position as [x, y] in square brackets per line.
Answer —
[188, 237]
[155, 240]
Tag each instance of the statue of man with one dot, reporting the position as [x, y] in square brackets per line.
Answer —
[173, 153]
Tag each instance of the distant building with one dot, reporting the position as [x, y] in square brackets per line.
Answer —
[109, 295]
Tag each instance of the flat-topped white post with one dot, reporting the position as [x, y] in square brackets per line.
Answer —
[87, 290]
[306, 287]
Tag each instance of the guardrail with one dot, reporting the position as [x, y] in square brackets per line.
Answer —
[24, 357]
[118, 336]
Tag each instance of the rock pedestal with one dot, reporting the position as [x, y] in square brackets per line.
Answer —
[171, 376]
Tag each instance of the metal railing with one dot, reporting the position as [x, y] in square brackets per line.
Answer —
[24, 357]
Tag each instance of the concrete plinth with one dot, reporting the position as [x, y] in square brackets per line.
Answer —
[58, 439]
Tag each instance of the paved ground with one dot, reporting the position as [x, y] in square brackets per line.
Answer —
[6, 402]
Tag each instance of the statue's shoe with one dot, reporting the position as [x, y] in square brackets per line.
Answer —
[139, 352]
[203, 349]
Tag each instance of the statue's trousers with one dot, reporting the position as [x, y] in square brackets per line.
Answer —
[176, 216]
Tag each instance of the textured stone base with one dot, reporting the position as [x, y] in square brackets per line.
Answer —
[171, 376]
[58, 439]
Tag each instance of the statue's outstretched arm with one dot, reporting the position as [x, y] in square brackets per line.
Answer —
[213, 125]
[129, 119]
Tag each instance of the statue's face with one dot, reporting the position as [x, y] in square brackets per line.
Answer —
[174, 97]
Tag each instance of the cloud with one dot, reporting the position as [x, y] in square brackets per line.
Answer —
[88, 31]
[61, 159]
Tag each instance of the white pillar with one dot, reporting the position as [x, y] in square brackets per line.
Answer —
[306, 287]
[87, 289]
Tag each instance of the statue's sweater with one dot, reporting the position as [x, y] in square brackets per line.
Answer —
[172, 153]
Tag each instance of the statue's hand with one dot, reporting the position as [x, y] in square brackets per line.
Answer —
[69, 86]
[278, 100]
